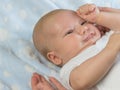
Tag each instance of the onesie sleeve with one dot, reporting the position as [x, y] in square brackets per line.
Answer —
[73, 63]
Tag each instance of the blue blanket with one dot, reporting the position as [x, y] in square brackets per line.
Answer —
[18, 56]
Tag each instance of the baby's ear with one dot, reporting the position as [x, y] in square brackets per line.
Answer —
[54, 58]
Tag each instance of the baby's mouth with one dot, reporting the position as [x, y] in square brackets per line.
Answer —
[88, 37]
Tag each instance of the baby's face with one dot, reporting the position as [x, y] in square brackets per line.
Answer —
[72, 35]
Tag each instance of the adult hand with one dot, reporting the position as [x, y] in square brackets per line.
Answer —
[38, 82]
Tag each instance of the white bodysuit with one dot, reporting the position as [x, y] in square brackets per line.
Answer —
[111, 80]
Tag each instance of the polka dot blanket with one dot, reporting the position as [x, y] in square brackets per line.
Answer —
[18, 57]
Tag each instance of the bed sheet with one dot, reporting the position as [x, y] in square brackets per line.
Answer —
[18, 56]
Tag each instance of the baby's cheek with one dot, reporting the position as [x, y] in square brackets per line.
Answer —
[96, 38]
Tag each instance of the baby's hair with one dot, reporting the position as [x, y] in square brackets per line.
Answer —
[102, 29]
[39, 40]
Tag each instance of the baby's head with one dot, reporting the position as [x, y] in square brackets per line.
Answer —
[62, 34]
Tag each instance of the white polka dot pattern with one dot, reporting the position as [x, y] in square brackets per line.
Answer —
[18, 57]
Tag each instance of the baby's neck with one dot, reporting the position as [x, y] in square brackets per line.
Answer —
[80, 51]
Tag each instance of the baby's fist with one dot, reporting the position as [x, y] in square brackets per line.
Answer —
[89, 12]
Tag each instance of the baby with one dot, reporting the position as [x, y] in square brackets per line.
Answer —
[62, 35]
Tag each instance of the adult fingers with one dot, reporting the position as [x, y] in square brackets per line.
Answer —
[34, 81]
[58, 85]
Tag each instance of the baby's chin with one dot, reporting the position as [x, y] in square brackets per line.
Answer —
[102, 29]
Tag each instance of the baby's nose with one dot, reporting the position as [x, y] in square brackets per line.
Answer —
[83, 30]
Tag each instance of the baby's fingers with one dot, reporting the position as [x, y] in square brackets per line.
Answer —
[89, 17]
[86, 9]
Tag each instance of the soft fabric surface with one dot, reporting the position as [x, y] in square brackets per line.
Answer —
[18, 57]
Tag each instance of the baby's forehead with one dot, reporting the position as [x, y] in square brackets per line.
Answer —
[55, 15]
[55, 19]
[64, 13]
[67, 15]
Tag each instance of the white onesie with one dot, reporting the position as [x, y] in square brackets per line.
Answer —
[110, 82]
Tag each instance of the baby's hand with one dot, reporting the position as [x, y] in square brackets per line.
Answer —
[89, 12]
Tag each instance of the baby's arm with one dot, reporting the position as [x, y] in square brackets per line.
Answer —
[94, 69]
[109, 9]
[107, 17]
[110, 20]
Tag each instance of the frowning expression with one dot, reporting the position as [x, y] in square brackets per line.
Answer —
[72, 34]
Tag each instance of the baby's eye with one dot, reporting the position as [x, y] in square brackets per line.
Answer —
[83, 22]
[69, 32]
